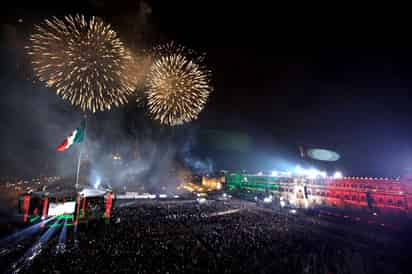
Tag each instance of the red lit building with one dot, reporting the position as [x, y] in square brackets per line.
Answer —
[358, 193]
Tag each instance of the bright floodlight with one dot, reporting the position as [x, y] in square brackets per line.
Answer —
[312, 173]
[97, 182]
[299, 170]
[337, 175]
[268, 199]
[201, 200]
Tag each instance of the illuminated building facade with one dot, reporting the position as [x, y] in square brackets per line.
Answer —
[383, 195]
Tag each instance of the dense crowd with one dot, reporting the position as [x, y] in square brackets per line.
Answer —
[218, 237]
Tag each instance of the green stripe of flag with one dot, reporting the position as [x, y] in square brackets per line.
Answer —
[80, 132]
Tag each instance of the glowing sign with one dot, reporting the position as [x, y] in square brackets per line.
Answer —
[61, 208]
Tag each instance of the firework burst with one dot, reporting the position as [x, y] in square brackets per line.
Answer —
[178, 85]
[84, 60]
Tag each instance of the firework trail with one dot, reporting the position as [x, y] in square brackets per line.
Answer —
[84, 60]
[178, 85]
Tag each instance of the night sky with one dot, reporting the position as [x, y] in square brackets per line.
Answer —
[282, 76]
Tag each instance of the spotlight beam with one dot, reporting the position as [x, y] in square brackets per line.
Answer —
[34, 251]
[62, 238]
[25, 233]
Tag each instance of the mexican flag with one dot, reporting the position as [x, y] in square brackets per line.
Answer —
[76, 137]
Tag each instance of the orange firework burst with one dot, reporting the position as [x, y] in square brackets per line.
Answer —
[84, 60]
[178, 85]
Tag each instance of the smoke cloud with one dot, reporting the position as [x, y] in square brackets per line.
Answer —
[123, 148]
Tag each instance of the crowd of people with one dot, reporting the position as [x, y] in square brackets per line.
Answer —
[217, 237]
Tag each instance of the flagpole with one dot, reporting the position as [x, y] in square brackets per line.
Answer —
[80, 156]
[78, 167]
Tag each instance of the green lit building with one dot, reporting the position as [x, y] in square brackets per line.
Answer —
[239, 182]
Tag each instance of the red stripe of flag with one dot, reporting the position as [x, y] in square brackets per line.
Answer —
[63, 146]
